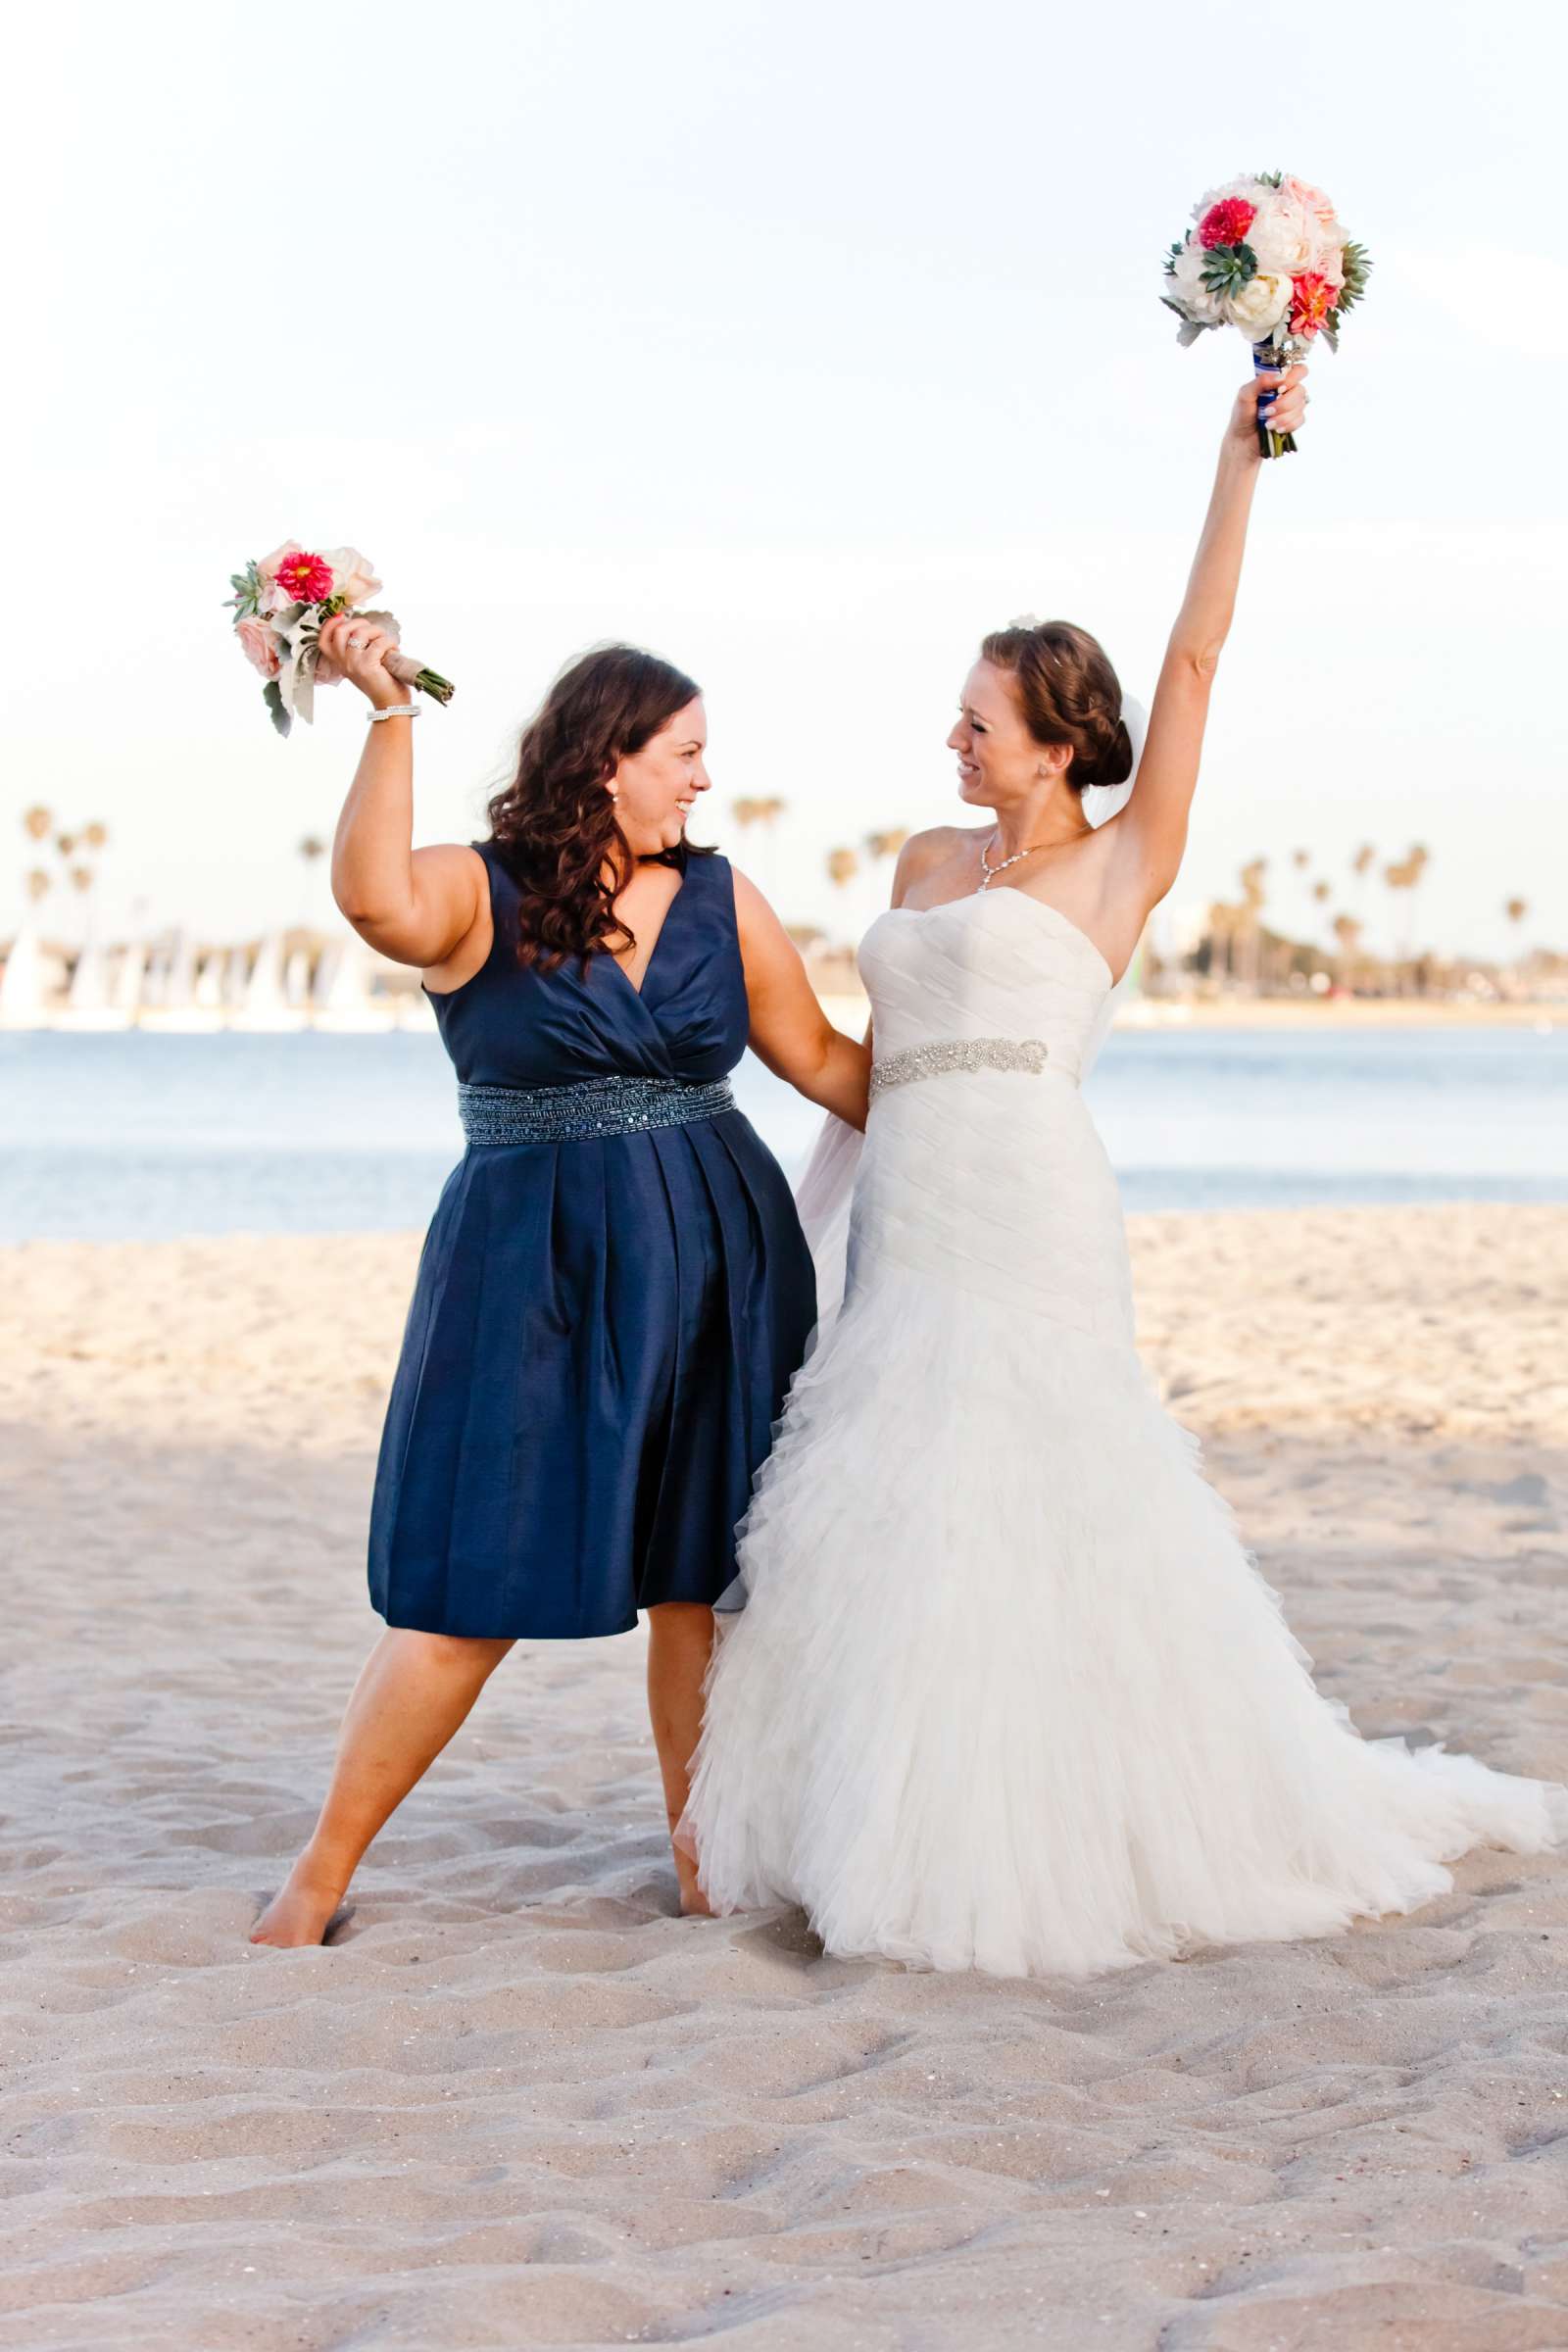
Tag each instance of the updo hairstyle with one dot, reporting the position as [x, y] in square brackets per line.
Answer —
[1068, 694]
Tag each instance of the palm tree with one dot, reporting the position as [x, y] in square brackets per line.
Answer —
[1224, 927]
[1516, 909]
[1348, 932]
[884, 845]
[37, 823]
[1420, 858]
[842, 868]
[765, 811]
[1401, 875]
[1393, 882]
[310, 847]
[1254, 894]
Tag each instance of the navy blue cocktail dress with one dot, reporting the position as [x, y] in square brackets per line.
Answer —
[603, 1329]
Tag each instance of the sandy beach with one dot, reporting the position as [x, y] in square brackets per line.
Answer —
[520, 2103]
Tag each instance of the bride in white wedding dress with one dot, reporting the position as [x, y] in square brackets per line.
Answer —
[1007, 1692]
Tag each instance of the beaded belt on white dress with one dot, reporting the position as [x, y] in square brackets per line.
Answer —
[941, 1054]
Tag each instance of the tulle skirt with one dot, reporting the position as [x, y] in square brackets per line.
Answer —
[1008, 1693]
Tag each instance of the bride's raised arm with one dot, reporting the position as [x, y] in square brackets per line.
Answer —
[1151, 830]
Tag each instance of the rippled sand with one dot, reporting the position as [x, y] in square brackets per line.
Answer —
[520, 2103]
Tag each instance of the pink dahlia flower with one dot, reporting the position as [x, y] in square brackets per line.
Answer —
[1311, 300]
[307, 579]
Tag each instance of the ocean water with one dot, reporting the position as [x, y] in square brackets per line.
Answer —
[133, 1137]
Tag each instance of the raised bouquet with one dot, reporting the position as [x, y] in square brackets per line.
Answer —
[279, 605]
[1267, 256]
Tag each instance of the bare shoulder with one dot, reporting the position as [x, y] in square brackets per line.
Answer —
[925, 853]
[756, 921]
[752, 907]
[453, 882]
[455, 864]
[745, 890]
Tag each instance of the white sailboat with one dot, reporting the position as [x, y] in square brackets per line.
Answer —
[22, 987]
[129, 983]
[342, 1003]
[235, 981]
[266, 1005]
[208, 994]
[89, 1003]
[179, 1008]
[417, 1012]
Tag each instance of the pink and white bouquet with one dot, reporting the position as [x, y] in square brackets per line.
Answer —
[1267, 256]
[279, 605]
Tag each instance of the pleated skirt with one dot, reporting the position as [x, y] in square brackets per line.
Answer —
[601, 1338]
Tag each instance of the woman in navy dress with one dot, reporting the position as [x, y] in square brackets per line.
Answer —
[615, 1292]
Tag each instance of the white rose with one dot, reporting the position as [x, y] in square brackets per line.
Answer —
[1252, 191]
[1186, 279]
[352, 575]
[1283, 238]
[1259, 304]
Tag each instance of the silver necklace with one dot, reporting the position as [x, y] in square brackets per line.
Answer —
[991, 871]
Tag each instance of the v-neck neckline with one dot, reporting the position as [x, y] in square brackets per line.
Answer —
[637, 986]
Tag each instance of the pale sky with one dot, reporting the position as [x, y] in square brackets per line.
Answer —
[803, 343]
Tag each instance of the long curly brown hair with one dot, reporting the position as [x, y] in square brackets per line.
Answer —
[554, 824]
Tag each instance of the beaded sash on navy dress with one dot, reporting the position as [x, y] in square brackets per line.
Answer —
[586, 1106]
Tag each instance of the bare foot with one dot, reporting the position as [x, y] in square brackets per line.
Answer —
[694, 1903]
[301, 1910]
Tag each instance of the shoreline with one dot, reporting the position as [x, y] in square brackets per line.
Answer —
[1292, 1014]
[850, 1010]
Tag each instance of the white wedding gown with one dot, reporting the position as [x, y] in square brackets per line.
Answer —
[1008, 1693]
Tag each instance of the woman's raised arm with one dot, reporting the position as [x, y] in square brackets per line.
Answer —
[1150, 832]
[416, 905]
[789, 1031]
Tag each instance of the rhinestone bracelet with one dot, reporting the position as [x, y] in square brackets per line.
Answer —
[395, 711]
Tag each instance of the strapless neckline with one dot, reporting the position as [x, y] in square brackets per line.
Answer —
[1044, 906]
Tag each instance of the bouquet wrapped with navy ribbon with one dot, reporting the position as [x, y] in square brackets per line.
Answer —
[1267, 256]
